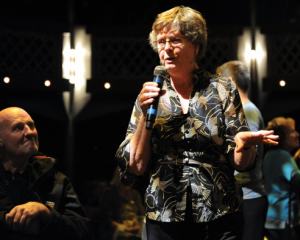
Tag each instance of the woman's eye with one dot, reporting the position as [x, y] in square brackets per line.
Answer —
[161, 41]
[176, 40]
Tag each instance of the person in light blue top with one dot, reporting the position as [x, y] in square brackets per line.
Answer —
[255, 201]
[282, 182]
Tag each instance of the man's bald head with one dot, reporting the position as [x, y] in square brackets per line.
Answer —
[18, 135]
[7, 112]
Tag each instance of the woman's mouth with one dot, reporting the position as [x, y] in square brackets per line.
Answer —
[169, 59]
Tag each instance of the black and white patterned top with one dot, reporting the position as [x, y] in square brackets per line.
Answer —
[192, 149]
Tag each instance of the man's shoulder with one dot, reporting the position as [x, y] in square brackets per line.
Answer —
[42, 163]
[253, 116]
[41, 157]
[250, 106]
[45, 165]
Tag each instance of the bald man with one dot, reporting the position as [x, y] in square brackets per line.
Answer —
[36, 201]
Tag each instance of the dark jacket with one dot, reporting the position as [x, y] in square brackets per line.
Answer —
[45, 185]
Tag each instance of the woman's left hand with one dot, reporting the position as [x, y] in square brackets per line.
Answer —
[248, 139]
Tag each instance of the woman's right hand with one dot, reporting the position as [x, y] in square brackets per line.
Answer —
[149, 91]
[140, 151]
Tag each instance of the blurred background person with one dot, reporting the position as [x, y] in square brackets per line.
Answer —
[93, 206]
[297, 157]
[199, 137]
[122, 211]
[282, 182]
[255, 200]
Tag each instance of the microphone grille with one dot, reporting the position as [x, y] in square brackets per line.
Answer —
[160, 71]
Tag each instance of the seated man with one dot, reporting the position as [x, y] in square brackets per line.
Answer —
[36, 201]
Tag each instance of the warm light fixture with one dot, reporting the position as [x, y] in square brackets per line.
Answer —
[73, 63]
[254, 54]
[47, 83]
[6, 79]
[107, 85]
[72, 66]
[282, 83]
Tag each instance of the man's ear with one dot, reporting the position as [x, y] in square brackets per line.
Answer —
[1, 143]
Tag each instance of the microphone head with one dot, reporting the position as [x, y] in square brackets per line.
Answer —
[160, 71]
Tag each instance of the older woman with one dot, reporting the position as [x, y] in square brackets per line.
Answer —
[199, 137]
[282, 182]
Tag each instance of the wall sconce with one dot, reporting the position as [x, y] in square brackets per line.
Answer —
[254, 54]
[73, 63]
[47, 83]
[72, 66]
[107, 85]
[282, 83]
[6, 79]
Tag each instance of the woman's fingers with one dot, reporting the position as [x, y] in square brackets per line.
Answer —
[270, 141]
[268, 137]
[147, 95]
[247, 139]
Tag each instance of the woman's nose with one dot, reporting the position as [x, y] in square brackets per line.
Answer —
[168, 45]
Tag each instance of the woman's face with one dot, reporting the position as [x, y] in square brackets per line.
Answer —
[291, 138]
[177, 59]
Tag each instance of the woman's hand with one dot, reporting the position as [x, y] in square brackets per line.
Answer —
[149, 91]
[244, 153]
[140, 150]
[248, 139]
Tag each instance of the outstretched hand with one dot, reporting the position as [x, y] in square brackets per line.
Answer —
[248, 139]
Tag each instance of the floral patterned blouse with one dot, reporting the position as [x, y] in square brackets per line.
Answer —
[191, 150]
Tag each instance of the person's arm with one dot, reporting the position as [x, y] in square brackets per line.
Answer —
[70, 220]
[140, 149]
[241, 142]
[244, 152]
[35, 218]
[243, 159]
[134, 153]
[28, 217]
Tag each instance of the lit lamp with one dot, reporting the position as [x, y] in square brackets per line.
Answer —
[282, 83]
[69, 64]
[253, 54]
[6, 79]
[107, 85]
[72, 66]
[47, 83]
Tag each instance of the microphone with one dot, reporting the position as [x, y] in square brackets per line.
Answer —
[160, 72]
